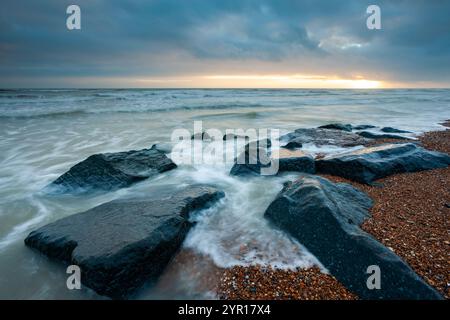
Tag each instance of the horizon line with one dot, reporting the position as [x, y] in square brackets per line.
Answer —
[216, 88]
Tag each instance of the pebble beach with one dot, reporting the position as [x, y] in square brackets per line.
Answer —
[410, 216]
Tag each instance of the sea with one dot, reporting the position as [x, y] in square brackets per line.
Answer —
[45, 132]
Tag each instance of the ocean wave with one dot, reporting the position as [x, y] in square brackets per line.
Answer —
[33, 113]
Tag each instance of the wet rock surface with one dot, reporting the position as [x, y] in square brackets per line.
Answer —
[337, 126]
[250, 162]
[111, 171]
[232, 136]
[320, 137]
[122, 244]
[393, 130]
[363, 127]
[201, 136]
[259, 161]
[370, 164]
[293, 145]
[325, 217]
[371, 135]
[297, 161]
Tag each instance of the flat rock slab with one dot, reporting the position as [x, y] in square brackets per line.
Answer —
[122, 244]
[294, 160]
[337, 126]
[325, 217]
[394, 130]
[371, 135]
[369, 164]
[111, 171]
[363, 127]
[320, 137]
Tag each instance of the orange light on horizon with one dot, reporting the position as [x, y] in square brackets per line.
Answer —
[293, 81]
[264, 81]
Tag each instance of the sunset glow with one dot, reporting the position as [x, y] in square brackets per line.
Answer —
[265, 81]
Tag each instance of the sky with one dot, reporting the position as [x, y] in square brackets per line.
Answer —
[226, 43]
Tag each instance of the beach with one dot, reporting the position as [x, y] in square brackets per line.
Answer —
[231, 251]
[410, 217]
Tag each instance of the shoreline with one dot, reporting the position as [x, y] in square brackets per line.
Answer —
[409, 216]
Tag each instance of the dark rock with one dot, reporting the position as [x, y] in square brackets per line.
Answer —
[122, 244]
[250, 162]
[363, 127]
[371, 135]
[373, 163]
[338, 126]
[201, 136]
[294, 161]
[232, 136]
[324, 137]
[293, 145]
[111, 171]
[263, 143]
[393, 130]
[325, 217]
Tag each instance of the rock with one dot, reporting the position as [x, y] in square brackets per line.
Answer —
[263, 143]
[338, 126]
[111, 171]
[325, 218]
[232, 136]
[298, 161]
[122, 244]
[393, 130]
[369, 164]
[201, 136]
[322, 137]
[250, 162]
[363, 127]
[165, 148]
[371, 135]
[293, 145]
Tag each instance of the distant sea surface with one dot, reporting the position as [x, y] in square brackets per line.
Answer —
[45, 132]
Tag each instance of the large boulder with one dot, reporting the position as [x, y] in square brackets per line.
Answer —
[338, 126]
[369, 164]
[320, 137]
[325, 217]
[111, 171]
[122, 244]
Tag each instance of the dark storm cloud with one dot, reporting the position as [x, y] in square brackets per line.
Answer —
[172, 37]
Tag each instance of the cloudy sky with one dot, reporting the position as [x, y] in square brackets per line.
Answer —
[226, 43]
